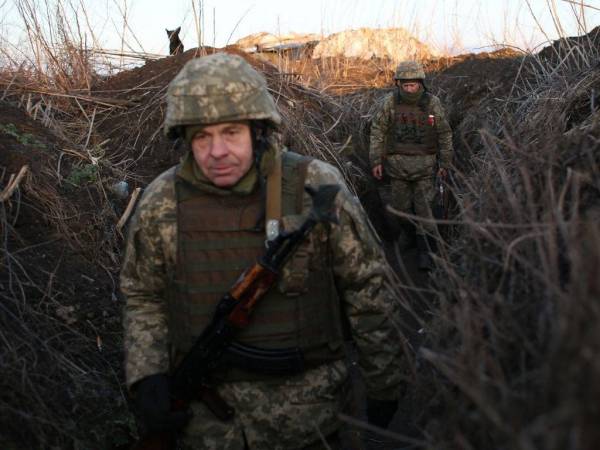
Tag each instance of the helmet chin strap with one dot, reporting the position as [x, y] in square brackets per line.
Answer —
[259, 144]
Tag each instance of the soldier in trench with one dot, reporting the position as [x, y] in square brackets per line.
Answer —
[411, 141]
[200, 224]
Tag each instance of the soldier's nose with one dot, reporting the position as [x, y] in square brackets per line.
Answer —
[218, 148]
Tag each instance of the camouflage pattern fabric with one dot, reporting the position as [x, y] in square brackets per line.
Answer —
[230, 90]
[411, 176]
[382, 125]
[409, 70]
[283, 415]
[419, 193]
[275, 413]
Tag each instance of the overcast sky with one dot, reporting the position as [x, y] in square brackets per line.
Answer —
[450, 25]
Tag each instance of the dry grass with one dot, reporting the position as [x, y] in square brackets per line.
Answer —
[506, 362]
[60, 353]
[60, 324]
[507, 356]
[61, 334]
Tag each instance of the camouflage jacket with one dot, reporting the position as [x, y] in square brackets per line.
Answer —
[289, 410]
[381, 126]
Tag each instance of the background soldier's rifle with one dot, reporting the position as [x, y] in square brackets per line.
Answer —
[441, 200]
[191, 379]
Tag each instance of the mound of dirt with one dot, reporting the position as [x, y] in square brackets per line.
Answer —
[463, 81]
[572, 48]
[22, 140]
[394, 44]
[61, 251]
[60, 315]
[264, 39]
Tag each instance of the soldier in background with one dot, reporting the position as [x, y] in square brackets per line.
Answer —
[411, 142]
[201, 223]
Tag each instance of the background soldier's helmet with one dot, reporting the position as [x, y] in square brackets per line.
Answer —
[409, 70]
[217, 88]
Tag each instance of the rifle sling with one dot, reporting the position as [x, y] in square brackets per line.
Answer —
[273, 203]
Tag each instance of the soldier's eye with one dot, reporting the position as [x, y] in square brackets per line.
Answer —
[234, 131]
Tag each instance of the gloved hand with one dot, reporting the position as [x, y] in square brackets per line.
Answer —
[381, 412]
[153, 405]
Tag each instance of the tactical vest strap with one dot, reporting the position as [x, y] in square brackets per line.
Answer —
[295, 167]
[274, 193]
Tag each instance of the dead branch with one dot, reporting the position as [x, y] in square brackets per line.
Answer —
[129, 209]
[13, 183]
[580, 3]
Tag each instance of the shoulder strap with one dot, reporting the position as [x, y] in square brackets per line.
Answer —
[273, 208]
[294, 168]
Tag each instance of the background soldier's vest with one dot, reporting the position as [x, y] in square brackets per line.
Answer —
[219, 237]
[414, 133]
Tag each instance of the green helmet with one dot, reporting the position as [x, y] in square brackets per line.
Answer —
[409, 70]
[217, 88]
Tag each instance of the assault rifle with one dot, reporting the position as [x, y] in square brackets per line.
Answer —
[441, 200]
[215, 346]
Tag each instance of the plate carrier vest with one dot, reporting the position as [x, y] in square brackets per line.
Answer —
[414, 132]
[219, 237]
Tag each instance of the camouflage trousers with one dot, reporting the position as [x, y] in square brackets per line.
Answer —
[418, 194]
[204, 432]
[283, 414]
[347, 439]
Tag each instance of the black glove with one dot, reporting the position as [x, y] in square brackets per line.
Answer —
[153, 405]
[381, 412]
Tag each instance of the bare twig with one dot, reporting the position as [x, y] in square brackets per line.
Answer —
[130, 206]
[13, 184]
[580, 3]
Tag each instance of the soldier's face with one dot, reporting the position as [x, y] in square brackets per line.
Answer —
[223, 152]
[410, 86]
